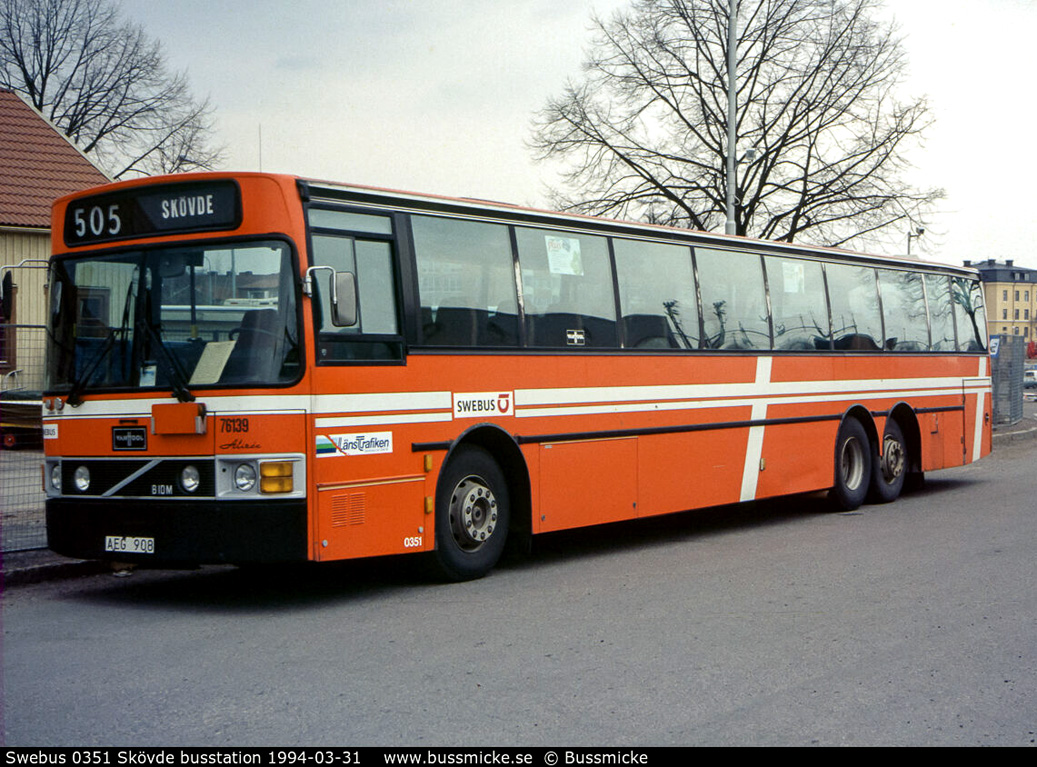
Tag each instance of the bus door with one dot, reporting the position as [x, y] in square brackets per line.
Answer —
[367, 503]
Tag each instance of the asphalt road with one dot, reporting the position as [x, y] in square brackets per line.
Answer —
[913, 623]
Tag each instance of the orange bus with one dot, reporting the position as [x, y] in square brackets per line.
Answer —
[253, 367]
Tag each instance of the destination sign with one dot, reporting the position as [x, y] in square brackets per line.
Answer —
[150, 211]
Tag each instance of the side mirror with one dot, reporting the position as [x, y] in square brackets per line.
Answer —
[343, 294]
[343, 299]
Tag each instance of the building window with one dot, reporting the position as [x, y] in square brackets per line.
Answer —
[1004, 295]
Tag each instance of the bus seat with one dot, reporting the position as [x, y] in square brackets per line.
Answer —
[255, 350]
[648, 331]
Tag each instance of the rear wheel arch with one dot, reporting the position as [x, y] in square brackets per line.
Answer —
[907, 420]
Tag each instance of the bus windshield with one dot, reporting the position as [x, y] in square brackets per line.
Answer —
[173, 318]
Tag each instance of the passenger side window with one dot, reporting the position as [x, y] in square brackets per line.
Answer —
[970, 314]
[903, 309]
[734, 307]
[941, 318]
[466, 282]
[798, 307]
[567, 289]
[657, 301]
[856, 319]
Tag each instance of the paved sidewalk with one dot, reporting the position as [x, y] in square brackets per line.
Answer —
[22, 567]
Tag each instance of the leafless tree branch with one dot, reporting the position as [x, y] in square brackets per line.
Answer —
[105, 84]
[644, 134]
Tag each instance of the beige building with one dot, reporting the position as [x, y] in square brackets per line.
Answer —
[1010, 292]
[37, 165]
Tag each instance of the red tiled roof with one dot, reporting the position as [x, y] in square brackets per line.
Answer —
[37, 165]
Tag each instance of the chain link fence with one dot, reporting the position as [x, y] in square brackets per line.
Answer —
[1007, 362]
[22, 523]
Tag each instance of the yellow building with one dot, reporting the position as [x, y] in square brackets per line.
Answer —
[37, 165]
[1010, 292]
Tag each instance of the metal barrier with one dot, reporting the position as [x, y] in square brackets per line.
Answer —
[1007, 362]
[22, 524]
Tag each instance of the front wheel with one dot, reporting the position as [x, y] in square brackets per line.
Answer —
[890, 469]
[852, 465]
[472, 515]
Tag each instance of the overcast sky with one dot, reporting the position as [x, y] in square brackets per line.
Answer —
[437, 96]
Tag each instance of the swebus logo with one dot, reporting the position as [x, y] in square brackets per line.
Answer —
[482, 404]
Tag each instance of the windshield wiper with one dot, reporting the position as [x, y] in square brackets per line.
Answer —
[75, 395]
[171, 365]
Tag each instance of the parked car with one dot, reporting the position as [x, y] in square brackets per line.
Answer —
[1030, 379]
[21, 420]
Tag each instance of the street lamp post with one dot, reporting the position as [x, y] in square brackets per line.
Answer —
[918, 232]
[732, 104]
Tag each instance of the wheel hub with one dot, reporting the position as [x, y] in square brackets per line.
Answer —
[892, 459]
[473, 513]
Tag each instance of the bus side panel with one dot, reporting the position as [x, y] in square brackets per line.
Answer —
[692, 470]
[606, 470]
[371, 519]
[942, 439]
[796, 458]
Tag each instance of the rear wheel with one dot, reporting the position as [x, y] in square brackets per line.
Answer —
[890, 469]
[852, 465]
[472, 515]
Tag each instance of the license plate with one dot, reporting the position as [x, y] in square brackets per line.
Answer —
[129, 544]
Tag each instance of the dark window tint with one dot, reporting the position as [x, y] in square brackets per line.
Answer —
[567, 289]
[466, 282]
[856, 319]
[941, 318]
[734, 307]
[657, 299]
[903, 309]
[970, 314]
[798, 307]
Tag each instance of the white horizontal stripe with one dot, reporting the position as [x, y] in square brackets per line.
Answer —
[436, 406]
[377, 420]
[373, 403]
[642, 407]
[587, 395]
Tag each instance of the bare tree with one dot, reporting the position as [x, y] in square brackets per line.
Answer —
[105, 85]
[820, 129]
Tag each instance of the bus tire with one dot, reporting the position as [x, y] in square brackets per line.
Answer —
[472, 515]
[890, 469]
[852, 465]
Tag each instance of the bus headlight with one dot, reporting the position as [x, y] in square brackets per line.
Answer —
[190, 479]
[245, 477]
[55, 477]
[82, 479]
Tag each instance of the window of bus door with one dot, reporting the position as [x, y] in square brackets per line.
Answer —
[356, 248]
